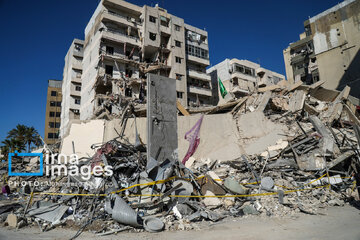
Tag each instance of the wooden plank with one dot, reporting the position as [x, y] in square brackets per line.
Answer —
[181, 108]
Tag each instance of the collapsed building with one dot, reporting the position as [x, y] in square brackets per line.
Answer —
[281, 150]
[123, 42]
[328, 50]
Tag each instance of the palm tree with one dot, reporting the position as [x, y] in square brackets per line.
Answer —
[17, 133]
[13, 144]
[31, 137]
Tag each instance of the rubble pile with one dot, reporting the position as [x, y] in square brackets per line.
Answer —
[300, 153]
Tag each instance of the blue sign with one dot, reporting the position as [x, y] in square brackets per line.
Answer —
[16, 153]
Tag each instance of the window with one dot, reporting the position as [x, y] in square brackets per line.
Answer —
[109, 69]
[177, 43]
[164, 21]
[56, 135]
[152, 19]
[177, 27]
[51, 124]
[179, 94]
[109, 50]
[53, 93]
[197, 52]
[58, 104]
[179, 76]
[51, 114]
[77, 88]
[52, 104]
[178, 59]
[152, 36]
[58, 114]
[77, 101]
[50, 135]
[57, 125]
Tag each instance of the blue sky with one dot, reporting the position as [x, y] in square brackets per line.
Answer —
[35, 36]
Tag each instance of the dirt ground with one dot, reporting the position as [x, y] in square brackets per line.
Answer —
[333, 223]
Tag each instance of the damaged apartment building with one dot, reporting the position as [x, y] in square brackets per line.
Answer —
[328, 50]
[123, 42]
[240, 78]
[71, 85]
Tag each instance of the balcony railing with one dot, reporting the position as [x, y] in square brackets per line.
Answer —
[128, 18]
[111, 30]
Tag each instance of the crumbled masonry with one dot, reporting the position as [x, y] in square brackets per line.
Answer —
[300, 152]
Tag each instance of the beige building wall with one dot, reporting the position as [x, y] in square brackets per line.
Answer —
[333, 57]
[53, 111]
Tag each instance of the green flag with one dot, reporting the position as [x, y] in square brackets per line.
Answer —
[222, 89]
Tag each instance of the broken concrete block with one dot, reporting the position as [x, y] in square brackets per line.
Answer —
[231, 184]
[12, 220]
[250, 210]
[211, 201]
[190, 162]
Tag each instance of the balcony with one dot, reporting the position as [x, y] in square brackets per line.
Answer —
[199, 75]
[199, 90]
[118, 18]
[76, 79]
[198, 60]
[73, 92]
[117, 36]
[121, 57]
[77, 65]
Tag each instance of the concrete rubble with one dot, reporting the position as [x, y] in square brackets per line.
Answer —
[293, 149]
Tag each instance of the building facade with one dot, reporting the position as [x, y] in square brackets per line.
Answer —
[71, 85]
[124, 41]
[328, 50]
[53, 111]
[240, 78]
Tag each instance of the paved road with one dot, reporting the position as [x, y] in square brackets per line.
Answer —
[337, 223]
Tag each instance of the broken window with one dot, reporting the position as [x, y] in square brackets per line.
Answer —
[77, 100]
[77, 88]
[178, 59]
[164, 21]
[109, 50]
[128, 92]
[56, 135]
[179, 94]
[53, 93]
[128, 72]
[177, 27]
[50, 135]
[179, 76]
[152, 19]
[152, 36]
[235, 82]
[177, 43]
[57, 125]
[51, 114]
[109, 70]
[58, 104]
[51, 124]
[58, 114]
[52, 104]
